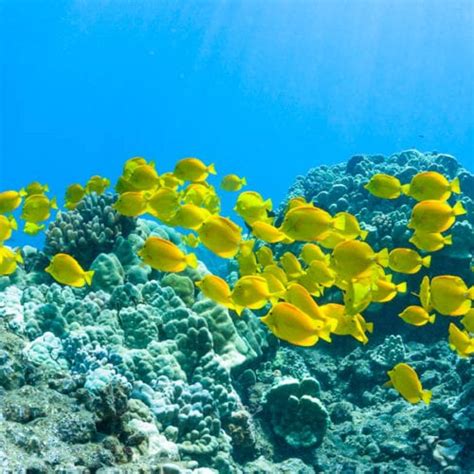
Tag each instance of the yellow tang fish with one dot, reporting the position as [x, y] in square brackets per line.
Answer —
[7, 226]
[131, 203]
[352, 228]
[232, 182]
[144, 178]
[385, 290]
[407, 261]
[348, 325]
[278, 273]
[430, 241]
[9, 201]
[212, 202]
[9, 260]
[352, 258]
[265, 256]
[97, 184]
[165, 256]
[275, 285]
[310, 252]
[192, 169]
[216, 289]
[124, 186]
[291, 265]
[196, 193]
[267, 232]
[247, 262]
[450, 296]
[34, 188]
[32, 228]
[289, 323]
[384, 186]
[191, 240]
[297, 202]
[434, 216]
[299, 296]
[246, 247]
[321, 273]
[251, 291]
[309, 223]
[460, 341]
[132, 163]
[163, 204]
[425, 294]
[405, 381]
[313, 288]
[252, 207]
[431, 185]
[417, 316]
[74, 194]
[332, 239]
[221, 236]
[468, 321]
[169, 180]
[37, 208]
[357, 296]
[190, 216]
[66, 270]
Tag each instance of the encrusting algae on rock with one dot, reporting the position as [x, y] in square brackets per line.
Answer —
[309, 274]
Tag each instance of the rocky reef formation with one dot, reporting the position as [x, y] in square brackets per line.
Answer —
[141, 373]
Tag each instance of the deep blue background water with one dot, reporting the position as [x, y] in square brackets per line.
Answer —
[266, 89]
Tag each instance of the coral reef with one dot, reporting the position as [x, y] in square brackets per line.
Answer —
[141, 373]
[90, 229]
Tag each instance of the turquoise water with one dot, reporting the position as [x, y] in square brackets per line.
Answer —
[267, 89]
[127, 362]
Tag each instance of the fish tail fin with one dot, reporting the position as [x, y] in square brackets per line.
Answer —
[448, 240]
[287, 240]
[470, 293]
[211, 169]
[54, 203]
[192, 260]
[19, 257]
[426, 396]
[22, 192]
[456, 186]
[363, 234]
[432, 318]
[426, 261]
[46, 188]
[405, 189]
[244, 181]
[382, 257]
[88, 277]
[402, 287]
[325, 332]
[458, 209]
[13, 223]
[370, 327]
[339, 222]
[268, 204]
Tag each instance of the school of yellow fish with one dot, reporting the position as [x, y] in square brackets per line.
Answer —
[334, 253]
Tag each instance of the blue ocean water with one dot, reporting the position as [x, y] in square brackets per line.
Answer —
[266, 89]
[118, 357]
